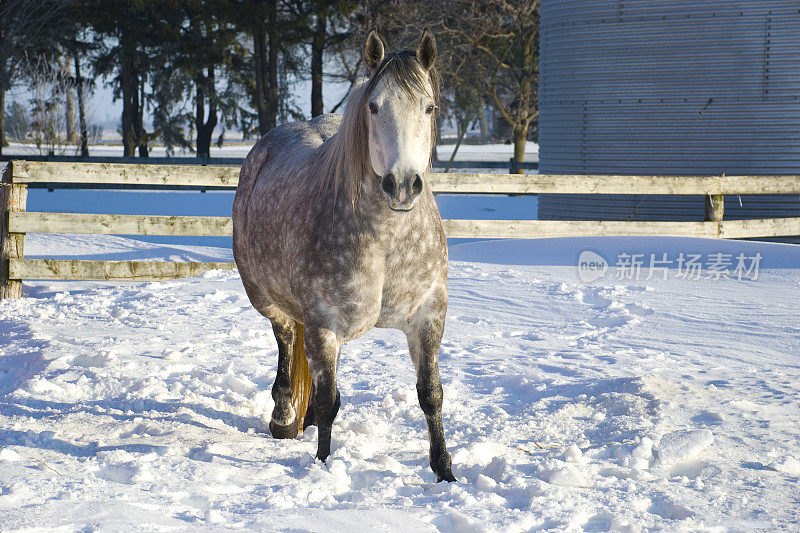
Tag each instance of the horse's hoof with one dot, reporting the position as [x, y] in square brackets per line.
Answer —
[445, 476]
[442, 466]
[288, 431]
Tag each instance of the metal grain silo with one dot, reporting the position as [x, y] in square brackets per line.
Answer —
[674, 87]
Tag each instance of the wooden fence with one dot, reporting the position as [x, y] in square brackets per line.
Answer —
[16, 222]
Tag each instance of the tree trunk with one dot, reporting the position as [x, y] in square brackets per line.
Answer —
[527, 101]
[3, 141]
[272, 67]
[203, 147]
[317, 49]
[484, 122]
[141, 134]
[128, 118]
[70, 104]
[520, 136]
[438, 140]
[205, 129]
[81, 109]
[265, 52]
[129, 88]
[259, 59]
[462, 132]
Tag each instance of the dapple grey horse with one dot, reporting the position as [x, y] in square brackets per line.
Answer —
[335, 231]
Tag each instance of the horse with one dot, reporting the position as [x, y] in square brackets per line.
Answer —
[335, 232]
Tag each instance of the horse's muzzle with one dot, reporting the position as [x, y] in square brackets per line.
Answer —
[401, 194]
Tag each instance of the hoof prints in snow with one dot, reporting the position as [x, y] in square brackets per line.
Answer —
[566, 407]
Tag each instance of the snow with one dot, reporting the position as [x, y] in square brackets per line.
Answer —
[680, 446]
[787, 465]
[466, 152]
[626, 404]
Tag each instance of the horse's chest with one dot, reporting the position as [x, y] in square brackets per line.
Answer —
[385, 288]
[413, 267]
[376, 277]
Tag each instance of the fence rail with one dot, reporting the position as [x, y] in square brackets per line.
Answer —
[99, 224]
[16, 222]
[74, 269]
[223, 177]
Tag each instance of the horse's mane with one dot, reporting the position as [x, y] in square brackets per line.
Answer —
[344, 160]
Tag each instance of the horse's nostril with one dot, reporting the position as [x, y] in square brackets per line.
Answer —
[416, 185]
[388, 184]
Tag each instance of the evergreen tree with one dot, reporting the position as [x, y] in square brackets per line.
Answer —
[200, 57]
[131, 37]
[17, 121]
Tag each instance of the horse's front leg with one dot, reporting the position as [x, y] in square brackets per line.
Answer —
[322, 351]
[423, 343]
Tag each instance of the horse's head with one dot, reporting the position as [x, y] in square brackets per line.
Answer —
[400, 102]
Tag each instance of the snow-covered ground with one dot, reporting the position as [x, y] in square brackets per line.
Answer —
[467, 152]
[628, 404]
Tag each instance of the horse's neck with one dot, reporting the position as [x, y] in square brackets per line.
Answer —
[368, 210]
[370, 200]
[376, 219]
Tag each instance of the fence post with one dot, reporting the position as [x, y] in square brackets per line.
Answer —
[715, 208]
[14, 198]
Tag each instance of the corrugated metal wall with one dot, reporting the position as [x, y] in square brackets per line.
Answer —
[668, 88]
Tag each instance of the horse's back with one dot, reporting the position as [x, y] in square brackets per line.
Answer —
[278, 157]
[284, 149]
[264, 198]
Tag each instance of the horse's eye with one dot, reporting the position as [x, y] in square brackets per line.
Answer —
[373, 108]
[429, 109]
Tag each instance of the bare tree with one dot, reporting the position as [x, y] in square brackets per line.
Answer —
[495, 51]
[350, 65]
[344, 47]
[464, 106]
[24, 24]
[489, 48]
[332, 25]
[49, 87]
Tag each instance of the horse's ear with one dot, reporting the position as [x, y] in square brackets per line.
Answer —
[373, 50]
[426, 51]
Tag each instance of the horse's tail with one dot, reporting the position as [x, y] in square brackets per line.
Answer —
[300, 377]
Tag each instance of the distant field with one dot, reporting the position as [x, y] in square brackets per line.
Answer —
[467, 152]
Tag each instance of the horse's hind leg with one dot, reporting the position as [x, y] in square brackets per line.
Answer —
[423, 343]
[309, 419]
[283, 424]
